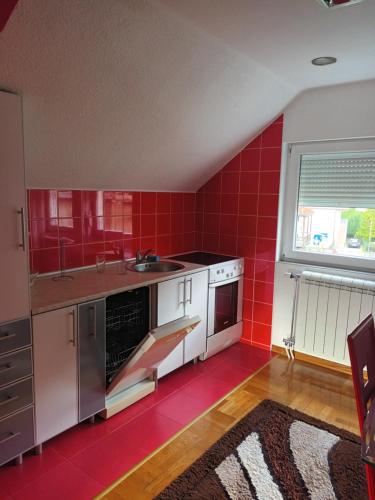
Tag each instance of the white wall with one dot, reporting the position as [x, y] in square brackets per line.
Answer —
[337, 112]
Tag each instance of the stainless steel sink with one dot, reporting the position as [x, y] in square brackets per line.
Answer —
[155, 267]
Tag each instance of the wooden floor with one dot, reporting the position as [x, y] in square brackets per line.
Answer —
[316, 391]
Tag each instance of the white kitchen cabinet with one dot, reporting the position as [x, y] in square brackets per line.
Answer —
[14, 292]
[55, 372]
[196, 305]
[179, 297]
[171, 306]
[171, 300]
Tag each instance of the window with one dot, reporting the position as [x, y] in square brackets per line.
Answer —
[329, 209]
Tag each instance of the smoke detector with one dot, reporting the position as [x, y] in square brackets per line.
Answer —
[338, 3]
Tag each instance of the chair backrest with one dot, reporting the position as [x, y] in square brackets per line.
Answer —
[361, 344]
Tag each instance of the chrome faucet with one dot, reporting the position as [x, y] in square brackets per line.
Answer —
[139, 258]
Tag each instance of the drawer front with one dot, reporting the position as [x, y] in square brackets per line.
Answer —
[16, 434]
[15, 397]
[15, 335]
[15, 366]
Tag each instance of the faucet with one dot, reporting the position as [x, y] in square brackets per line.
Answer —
[139, 258]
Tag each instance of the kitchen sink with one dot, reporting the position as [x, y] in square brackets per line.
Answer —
[155, 267]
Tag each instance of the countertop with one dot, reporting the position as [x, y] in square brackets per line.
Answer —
[88, 284]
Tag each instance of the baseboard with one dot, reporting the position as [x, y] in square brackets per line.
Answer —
[324, 363]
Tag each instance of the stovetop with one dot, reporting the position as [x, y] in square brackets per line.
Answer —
[204, 258]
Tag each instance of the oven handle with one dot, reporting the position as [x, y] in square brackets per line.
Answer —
[225, 282]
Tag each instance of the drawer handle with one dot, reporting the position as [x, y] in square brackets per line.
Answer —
[6, 368]
[7, 336]
[10, 436]
[8, 399]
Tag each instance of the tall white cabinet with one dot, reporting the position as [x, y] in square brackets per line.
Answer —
[14, 292]
[176, 298]
[16, 384]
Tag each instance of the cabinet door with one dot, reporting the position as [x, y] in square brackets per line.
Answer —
[196, 304]
[55, 372]
[170, 300]
[171, 296]
[91, 352]
[14, 296]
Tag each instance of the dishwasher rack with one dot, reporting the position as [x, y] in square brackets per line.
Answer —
[127, 323]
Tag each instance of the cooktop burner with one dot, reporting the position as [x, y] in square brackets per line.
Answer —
[204, 258]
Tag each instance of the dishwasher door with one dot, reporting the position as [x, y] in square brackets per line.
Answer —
[155, 347]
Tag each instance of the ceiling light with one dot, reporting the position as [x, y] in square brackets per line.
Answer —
[338, 3]
[324, 61]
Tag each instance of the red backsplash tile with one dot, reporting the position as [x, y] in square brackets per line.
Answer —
[44, 233]
[70, 231]
[92, 203]
[69, 203]
[42, 203]
[93, 222]
[93, 229]
[148, 203]
[163, 202]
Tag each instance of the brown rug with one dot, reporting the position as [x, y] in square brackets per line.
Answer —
[276, 453]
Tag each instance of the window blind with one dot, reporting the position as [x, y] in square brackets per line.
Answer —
[342, 180]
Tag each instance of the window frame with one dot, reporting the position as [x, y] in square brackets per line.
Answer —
[290, 204]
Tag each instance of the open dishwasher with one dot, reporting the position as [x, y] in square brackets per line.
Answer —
[134, 349]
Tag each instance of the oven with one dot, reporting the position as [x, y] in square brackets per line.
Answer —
[224, 312]
[225, 293]
[224, 305]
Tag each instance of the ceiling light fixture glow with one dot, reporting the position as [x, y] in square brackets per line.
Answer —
[324, 61]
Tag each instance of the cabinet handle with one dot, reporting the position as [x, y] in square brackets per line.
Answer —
[8, 399]
[7, 367]
[92, 310]
[10, 436]
[21, 213]
[73, 339]
[7, 336]
[184, 292]
[191, 290]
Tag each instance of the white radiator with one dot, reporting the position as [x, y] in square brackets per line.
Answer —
[327, 309]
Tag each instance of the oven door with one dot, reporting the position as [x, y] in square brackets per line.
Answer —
[224, 305]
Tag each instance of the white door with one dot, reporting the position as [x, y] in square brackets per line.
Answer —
[14, 292]
[196, 305]
[171, 297]
[55, 372]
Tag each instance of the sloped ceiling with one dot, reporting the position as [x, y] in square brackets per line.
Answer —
[158, 95]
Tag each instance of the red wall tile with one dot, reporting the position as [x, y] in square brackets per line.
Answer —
[114, 222]
[250, 190]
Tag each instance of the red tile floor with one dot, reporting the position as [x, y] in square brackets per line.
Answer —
[84, 460]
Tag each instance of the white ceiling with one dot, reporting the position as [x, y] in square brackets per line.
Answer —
[158, 95]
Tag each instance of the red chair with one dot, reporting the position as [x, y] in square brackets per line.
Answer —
[361, 344]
